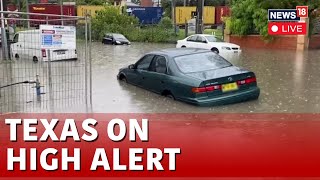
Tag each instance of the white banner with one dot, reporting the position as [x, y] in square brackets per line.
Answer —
[58, 37]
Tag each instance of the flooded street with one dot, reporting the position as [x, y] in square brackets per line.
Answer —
[288, 80]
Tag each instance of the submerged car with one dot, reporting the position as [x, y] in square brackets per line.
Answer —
[115, 39]
[195, 76]
[210, 42]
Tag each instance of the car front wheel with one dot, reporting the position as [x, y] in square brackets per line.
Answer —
[123, 78]
[215, 50]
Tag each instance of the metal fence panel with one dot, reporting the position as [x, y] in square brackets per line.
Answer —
[63, 75]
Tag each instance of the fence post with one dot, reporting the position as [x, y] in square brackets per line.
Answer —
[50, 82]
[90, 62]
[152, 32]
[61, 11]
[3, 36]
[85, 60]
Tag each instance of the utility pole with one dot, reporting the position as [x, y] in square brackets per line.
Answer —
[199, 19]
[61, 11]
[4, 42]
[173, 9]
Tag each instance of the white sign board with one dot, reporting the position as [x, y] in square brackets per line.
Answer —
[58, 37]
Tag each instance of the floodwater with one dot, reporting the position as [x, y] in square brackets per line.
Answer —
[289, 82]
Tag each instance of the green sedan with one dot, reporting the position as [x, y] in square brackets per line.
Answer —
[195, 76]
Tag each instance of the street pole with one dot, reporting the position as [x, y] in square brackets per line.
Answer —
[184, 2]
[199, 20]
[61, 11]
[3, 35]
[173, 3]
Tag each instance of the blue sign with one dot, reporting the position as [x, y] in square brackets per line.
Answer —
[47, 40]
[283, 15]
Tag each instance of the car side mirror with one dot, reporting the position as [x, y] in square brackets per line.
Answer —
[131, 66]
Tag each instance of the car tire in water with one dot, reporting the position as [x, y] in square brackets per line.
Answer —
[123, 78]
[215, 50]
[16, 56]
[170, 96]
[35, 59]
[183, 46]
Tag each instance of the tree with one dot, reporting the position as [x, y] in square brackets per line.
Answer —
[166, 5]
[251, 16]
[110, 19]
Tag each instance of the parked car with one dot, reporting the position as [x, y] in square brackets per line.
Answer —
[206, 41]
[195, 76]
[27, 45]
[115, 39]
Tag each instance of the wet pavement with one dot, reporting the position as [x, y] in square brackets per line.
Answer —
[289, 82]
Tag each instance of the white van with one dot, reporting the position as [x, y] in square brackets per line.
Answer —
[27, 45]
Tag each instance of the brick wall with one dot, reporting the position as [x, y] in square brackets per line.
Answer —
[314, 42]
[146, 3]
[255, 41]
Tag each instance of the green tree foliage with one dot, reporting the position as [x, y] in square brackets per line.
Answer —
[111, 20]
[251, 16]
[166, 5]
[166, 22]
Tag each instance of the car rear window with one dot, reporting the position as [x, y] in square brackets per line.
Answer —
[213, 39]
[200, 62]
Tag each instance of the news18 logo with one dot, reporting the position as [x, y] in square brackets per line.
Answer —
[287, 21]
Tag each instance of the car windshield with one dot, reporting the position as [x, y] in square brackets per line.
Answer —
[213, 39]
[201, 62]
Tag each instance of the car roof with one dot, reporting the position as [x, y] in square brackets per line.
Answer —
[174, 52]
[203, 35]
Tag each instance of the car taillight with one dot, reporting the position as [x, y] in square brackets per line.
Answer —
[213, 88]
[44, 53]
[206, 89]
[247, 81]
[199, 90]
